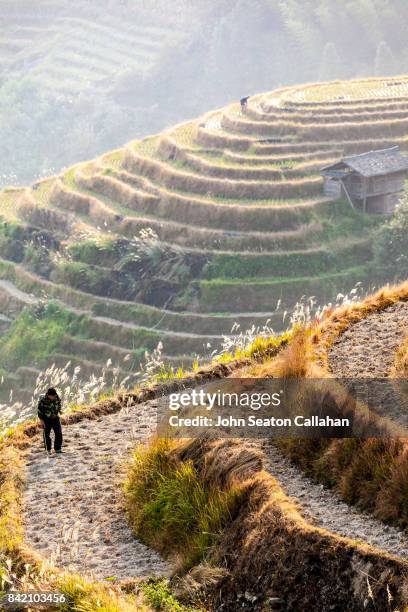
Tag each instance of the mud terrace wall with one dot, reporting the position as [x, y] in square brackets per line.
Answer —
[272, 552]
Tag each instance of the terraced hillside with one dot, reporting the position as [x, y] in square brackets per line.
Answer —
[174, 238]
[70, 53]
[311, 523]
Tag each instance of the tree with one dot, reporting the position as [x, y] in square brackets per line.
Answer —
[331, 66]
[384, 60]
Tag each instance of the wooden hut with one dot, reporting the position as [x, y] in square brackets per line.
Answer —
[372, 182]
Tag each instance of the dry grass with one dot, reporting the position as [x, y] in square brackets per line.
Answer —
[232, 215]
[267, 545]
[341, 106]
[342, 318]
[118, 191]
[221, 140]
[118, 220]
[326, 115]
[295, 160]
[20, 568]
[11, 486]
[346, 93]
[195, 183]
[171, 507]
[75, 202]
[367, 127]
[241, 125]
[307, 354]
[400, 367]
[169, 149]
[348, 146]
[370, 472]
[355, 131]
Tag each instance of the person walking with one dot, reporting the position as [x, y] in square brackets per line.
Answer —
[244, 104]
[49, 410]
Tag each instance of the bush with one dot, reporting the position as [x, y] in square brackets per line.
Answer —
[170, 508]
[11, 249]
[106, 253]
[96, 280]
[38, 260]
[158, 594]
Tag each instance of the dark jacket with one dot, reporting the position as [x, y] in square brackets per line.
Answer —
[49, 408]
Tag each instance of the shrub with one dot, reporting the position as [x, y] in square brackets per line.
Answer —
[170, 507]
[11, 249]
[157, 593]
[95, 280]
[106, 253]
[37, 259]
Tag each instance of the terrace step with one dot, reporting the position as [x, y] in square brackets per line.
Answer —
[207, 165]
[183, 235]
[206, 213]
[322, 116]
[168, 176]
[228, 296]
[140, 314]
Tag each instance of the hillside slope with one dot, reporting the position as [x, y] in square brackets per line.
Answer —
[290, 543]
[174, 238]
[100, 70]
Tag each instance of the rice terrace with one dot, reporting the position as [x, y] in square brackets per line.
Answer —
[217, 221]
[135, 275]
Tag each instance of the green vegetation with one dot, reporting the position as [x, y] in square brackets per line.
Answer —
[391, 243]
[95, 279]
[264, 347]
[168, 372]
[158, 594]
[170, 507]
[101, 252]
[226, 295]
[137, 260]
[40, 331]
[35, 335]
[314, 262]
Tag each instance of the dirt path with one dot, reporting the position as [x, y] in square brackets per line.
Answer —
[73, 515]
[20, 296]
[323, 508]
[367, 348]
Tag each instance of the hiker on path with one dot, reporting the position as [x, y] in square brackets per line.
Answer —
[244, 103]
[49, 409]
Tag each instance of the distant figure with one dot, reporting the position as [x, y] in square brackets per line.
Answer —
[49, 410]
[244, 103]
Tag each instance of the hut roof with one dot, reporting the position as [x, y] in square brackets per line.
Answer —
[373, 163]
